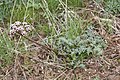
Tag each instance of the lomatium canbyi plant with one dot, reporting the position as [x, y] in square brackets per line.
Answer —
[19, 28]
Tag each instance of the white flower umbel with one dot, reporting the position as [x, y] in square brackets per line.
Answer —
[20, 28]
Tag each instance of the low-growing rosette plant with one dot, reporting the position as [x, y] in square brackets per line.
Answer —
[81, 47]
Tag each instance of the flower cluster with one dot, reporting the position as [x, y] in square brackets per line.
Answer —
[19, 28]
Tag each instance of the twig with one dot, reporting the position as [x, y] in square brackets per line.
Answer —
[38, 43]
[22, 71]
[7, 74]
[60, 75]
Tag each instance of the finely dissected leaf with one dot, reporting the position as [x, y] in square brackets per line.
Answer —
[82, 46]
[65, 40]
[82, 65]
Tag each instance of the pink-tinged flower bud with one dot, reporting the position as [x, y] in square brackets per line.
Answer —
[14, 27]
[11, 36]
[28, 29]
[24, 33]
[21, 28]
[17, 23]
[24, 23]
[12, 32]
[26, 26]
